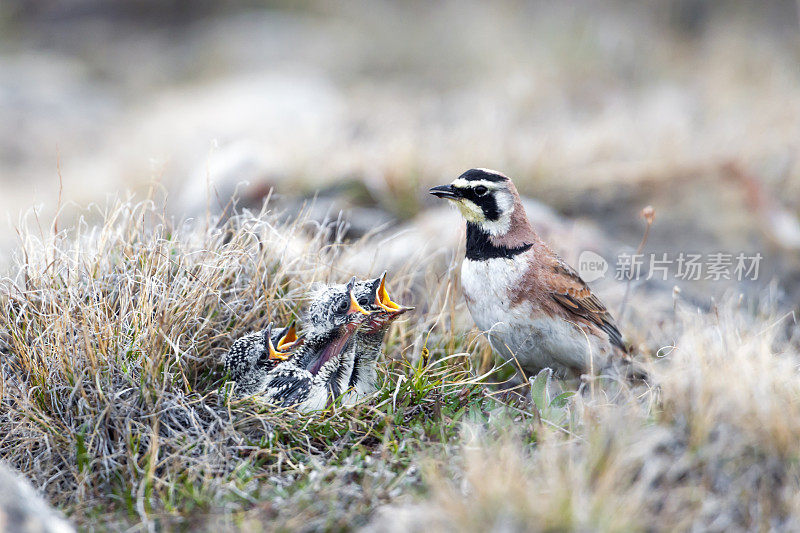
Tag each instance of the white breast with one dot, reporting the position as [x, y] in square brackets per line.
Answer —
[520, 331]
[486, 287]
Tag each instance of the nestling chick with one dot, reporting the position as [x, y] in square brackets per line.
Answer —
[534, 307]
[365, 346]
[250, 358]
[305, 378]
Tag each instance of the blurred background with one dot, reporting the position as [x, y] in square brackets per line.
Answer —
[596, 110]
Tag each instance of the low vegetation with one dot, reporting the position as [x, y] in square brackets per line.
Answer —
[114, 404]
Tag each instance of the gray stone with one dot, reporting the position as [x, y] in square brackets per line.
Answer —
[24, 511]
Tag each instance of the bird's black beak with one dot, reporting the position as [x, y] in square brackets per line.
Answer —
[447, 192]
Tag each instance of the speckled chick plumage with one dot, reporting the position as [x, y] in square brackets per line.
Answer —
[306, 380]
[365, 348]
[247, 362]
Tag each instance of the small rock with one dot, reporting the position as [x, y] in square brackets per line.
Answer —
[21, 509]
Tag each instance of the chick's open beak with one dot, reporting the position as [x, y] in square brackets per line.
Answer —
[289, 339]
[382, 299]
[447, 192]
[276, 354]
[354, 307]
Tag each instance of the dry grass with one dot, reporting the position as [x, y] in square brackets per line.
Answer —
[712, 448]
[112, 397]
[114, 405]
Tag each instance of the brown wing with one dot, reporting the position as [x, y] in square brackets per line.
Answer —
[572, 293]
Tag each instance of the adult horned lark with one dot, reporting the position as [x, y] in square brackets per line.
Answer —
[534, 307]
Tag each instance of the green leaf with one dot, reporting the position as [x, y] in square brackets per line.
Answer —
[562, 399]
[539, 388]
[81, 452]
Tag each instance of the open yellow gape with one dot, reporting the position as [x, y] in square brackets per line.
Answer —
[382, 299]
[285, 344]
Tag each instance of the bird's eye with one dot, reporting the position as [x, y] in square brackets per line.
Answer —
[480, 190]
[363, 301]
[343, 305]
